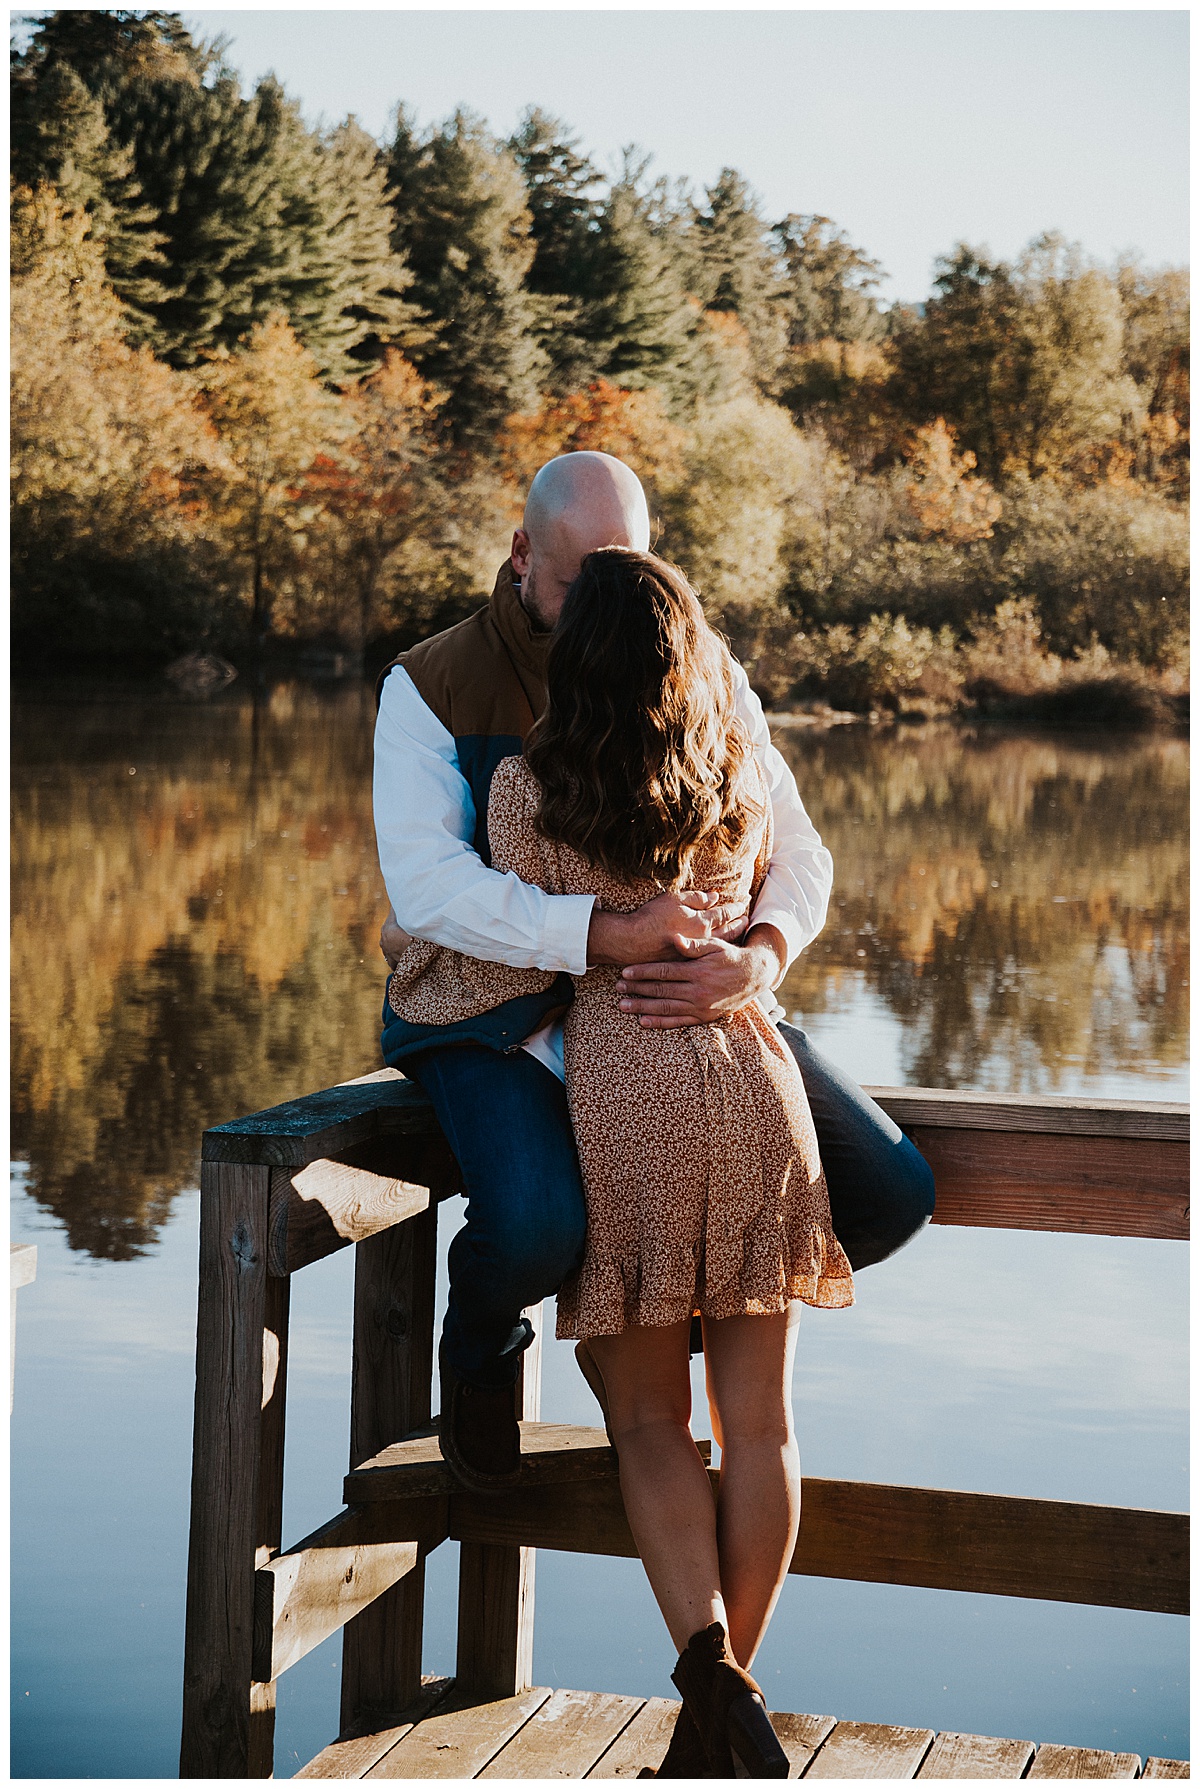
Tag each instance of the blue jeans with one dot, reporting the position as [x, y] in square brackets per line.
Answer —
[505, 1117]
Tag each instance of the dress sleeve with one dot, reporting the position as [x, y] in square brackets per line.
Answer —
[513, 838]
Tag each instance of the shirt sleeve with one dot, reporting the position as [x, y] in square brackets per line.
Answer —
[795, 896]
[439, 886]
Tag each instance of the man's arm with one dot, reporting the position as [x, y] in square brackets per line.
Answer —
[717, 978]
[442, 891]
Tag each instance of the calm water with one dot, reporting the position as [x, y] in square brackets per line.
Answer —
[196, 905]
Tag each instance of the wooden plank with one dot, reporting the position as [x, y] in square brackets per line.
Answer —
[352, 1755]
[976, 1756]
[1167, 1767]
[551, 1453]
[569, 1733]
[898, 1534]
[801, 1736]
[308, 1593]
[496, 1582]
[330, 1203]
[390, 1396]
[459, 1738]
[1098, 1186]
[1005, 1546]
[642, 1744]
[276, 1303]
[1052, 1114]
[863, 1750]
[322, 1124]
[226, 1514]
[1081, 1761]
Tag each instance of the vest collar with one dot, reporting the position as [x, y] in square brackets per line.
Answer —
[527, 646]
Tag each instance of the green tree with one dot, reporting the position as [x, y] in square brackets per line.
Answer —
[829, 282]
[737, 268]
[564, 213]
[966, 357]
[641, 321]
[463, 224]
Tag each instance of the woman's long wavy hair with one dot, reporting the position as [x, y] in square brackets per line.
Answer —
[640, 755]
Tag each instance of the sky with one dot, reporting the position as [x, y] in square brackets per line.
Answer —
[911, 129]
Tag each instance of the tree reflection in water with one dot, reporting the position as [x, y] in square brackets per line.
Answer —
[196, 903]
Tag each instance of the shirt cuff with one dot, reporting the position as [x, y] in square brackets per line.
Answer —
[788, 927]
[565, 938]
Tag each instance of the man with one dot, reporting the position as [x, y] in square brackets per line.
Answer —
[450, 709]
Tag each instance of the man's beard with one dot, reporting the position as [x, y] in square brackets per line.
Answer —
[526, 598]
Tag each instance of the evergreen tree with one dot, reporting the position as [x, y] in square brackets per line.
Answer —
[965, 358]
[60, 136]
[463, 226]
[559, 186]
[241, 211]
[737, 269]
[829, 282]
[642, 323]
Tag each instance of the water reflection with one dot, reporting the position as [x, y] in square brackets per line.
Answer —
[196, 901]
[1018, 902]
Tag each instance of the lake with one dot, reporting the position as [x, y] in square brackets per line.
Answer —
[196, 907]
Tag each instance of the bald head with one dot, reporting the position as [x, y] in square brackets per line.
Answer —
[577, 502]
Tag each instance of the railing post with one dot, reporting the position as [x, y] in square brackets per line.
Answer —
[392, 1395]
[495, 1583]
[237, 1476]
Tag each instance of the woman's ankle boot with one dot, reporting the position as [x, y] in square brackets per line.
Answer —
[727, 1707]
[685, 1756]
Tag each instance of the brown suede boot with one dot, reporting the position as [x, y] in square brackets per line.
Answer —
[727, 1707]
[685, 1756]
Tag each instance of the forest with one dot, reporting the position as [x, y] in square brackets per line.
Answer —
[278, 387]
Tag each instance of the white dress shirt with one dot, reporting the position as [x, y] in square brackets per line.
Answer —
[442, 891]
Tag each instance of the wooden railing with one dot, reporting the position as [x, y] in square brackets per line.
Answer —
[365, 1164]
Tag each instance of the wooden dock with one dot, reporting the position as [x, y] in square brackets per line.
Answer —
[547, 1734]
[364, 1165]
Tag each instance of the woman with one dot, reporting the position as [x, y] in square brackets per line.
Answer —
[699, 1159]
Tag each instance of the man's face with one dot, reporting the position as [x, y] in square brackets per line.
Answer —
[547, 568]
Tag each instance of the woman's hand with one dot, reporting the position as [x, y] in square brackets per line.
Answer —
[393, 939]
[713, 980]
[655, 931]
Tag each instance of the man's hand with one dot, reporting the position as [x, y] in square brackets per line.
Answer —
[656, 931]
[393, 939]
[712, 979]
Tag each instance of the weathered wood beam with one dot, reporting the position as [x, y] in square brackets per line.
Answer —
[551, 1453]
[1060, 1115]
[890, 1534]
[496, 1582]
[323, 1124]
[303, 1596]
[390, 1396]
[1098, 1186]
[333, 1202]
[237, 1476]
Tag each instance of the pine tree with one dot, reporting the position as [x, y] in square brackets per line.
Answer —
[240, 209]
[60, 136]
[738, 269]
[829, 282]
[463, 226]
[640, 319]
[564, 212]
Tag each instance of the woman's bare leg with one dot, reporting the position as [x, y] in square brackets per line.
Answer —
[664, 1483]
[748, 1363]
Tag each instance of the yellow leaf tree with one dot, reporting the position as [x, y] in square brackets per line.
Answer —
[273, 418]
